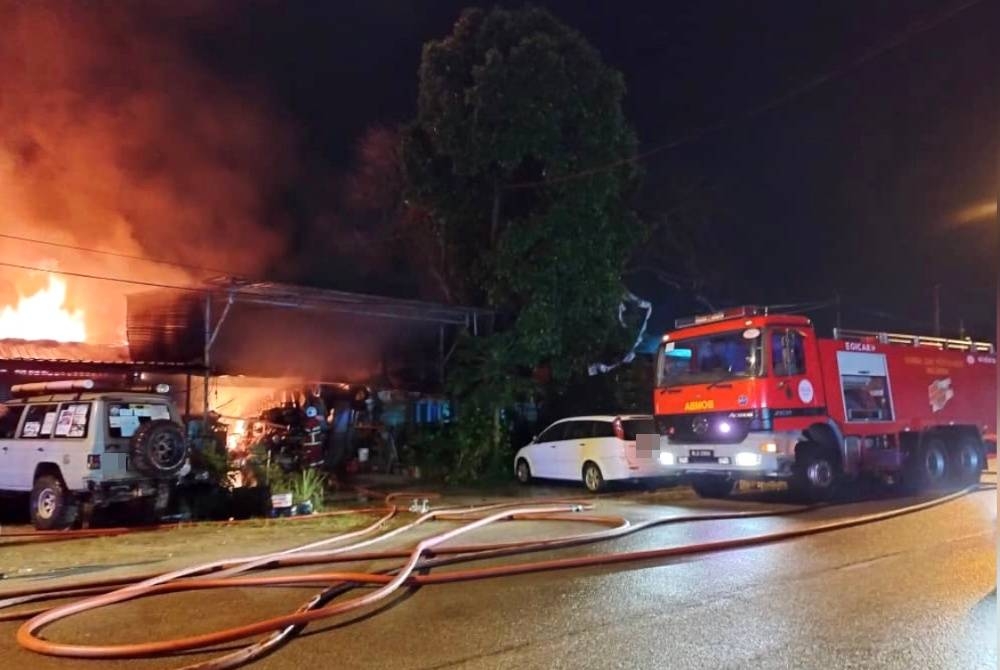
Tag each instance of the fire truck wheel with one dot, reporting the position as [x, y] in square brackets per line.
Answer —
[52, 506]
[932, 463]
[816, 472]
[523, 471]
[967, 461]
[592, 477]
[713, 487]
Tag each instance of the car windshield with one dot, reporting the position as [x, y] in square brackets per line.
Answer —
[710, 359]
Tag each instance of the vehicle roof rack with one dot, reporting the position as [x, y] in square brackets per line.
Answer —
[940, 343]
[81, 385]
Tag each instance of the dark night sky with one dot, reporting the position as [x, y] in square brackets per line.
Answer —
[849, 187]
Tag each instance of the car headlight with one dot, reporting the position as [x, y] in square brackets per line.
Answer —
[666, 458]
[746, 458]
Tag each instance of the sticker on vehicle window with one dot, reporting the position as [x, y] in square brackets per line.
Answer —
[65, 422]
[31, 429]
[128, 425]
[48, 423]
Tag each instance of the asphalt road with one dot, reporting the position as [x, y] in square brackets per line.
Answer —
[912, 592]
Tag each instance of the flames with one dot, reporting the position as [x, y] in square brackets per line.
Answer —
[43, 315]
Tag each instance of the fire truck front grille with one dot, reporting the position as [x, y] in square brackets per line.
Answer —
[713, 427]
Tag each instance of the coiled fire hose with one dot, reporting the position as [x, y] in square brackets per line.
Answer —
[423, 556]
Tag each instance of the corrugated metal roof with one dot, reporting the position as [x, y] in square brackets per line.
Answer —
[51, 350]
[40, 355]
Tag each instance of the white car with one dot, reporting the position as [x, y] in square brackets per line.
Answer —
[592, 449]
[68, 443]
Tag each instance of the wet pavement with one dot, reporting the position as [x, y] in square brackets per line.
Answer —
[913, 592]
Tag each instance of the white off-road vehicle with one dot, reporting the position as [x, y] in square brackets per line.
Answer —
[71, 444]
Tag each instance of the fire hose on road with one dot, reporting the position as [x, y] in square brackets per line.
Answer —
[426, 554]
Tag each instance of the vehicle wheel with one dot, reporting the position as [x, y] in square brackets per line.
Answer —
[817, 472]
[592, 477]
[523, 471]
[52, 506]
[967, 461]
[713, 487]
[158, 448]
[932, 463]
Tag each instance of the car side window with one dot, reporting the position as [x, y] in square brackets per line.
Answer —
[39, 421]
[553, 433]
[579, 430]
[73, 420]
[603, 429]
[9, 416]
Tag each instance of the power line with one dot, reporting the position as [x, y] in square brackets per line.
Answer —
[119, 280]
[908, 33]
[133, 257]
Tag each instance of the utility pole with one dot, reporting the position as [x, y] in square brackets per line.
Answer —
[937, 310]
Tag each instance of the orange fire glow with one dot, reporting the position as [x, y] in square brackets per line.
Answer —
[43, 316]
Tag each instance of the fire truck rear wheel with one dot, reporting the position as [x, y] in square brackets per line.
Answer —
[713, 487]
[817, 472]
[932, 463]
[967, 460]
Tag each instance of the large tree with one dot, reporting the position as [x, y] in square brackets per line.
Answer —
[518, 169]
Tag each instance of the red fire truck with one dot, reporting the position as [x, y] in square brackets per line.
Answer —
[743, 394]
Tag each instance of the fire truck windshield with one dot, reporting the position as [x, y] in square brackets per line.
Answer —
[709, 359]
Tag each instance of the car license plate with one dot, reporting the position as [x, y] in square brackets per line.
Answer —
[701, 456]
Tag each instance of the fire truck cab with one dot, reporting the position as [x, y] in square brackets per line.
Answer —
[743, 394]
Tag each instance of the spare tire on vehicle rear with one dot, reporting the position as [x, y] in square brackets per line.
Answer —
[158, 448]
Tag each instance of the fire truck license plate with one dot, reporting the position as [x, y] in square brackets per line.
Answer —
[701, 455]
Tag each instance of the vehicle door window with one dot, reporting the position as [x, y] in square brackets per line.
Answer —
[73, 420]
[9, 416]
[787, 353]
[39, 421]
[125, 418]
[553, 433]
[603, 429]
[579, 430]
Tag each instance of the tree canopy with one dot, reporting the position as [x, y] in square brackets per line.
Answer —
[512, 106]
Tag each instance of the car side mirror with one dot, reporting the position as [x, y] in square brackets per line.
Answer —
[534, 439]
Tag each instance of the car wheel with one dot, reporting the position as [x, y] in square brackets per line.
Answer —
[713, 487]
[967, 461]
[817, 472]
[592, 477]
[159, 448]
[52, 506]
[523, 471]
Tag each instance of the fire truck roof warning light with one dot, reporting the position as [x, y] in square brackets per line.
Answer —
[731, 313]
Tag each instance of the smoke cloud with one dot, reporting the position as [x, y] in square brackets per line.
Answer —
[113, 136]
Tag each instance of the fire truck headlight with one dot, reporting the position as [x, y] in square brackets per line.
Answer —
[725, 427]
[666, 458]
[769, 448]
[746, 458]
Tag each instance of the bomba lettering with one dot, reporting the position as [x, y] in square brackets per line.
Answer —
[859, 346]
